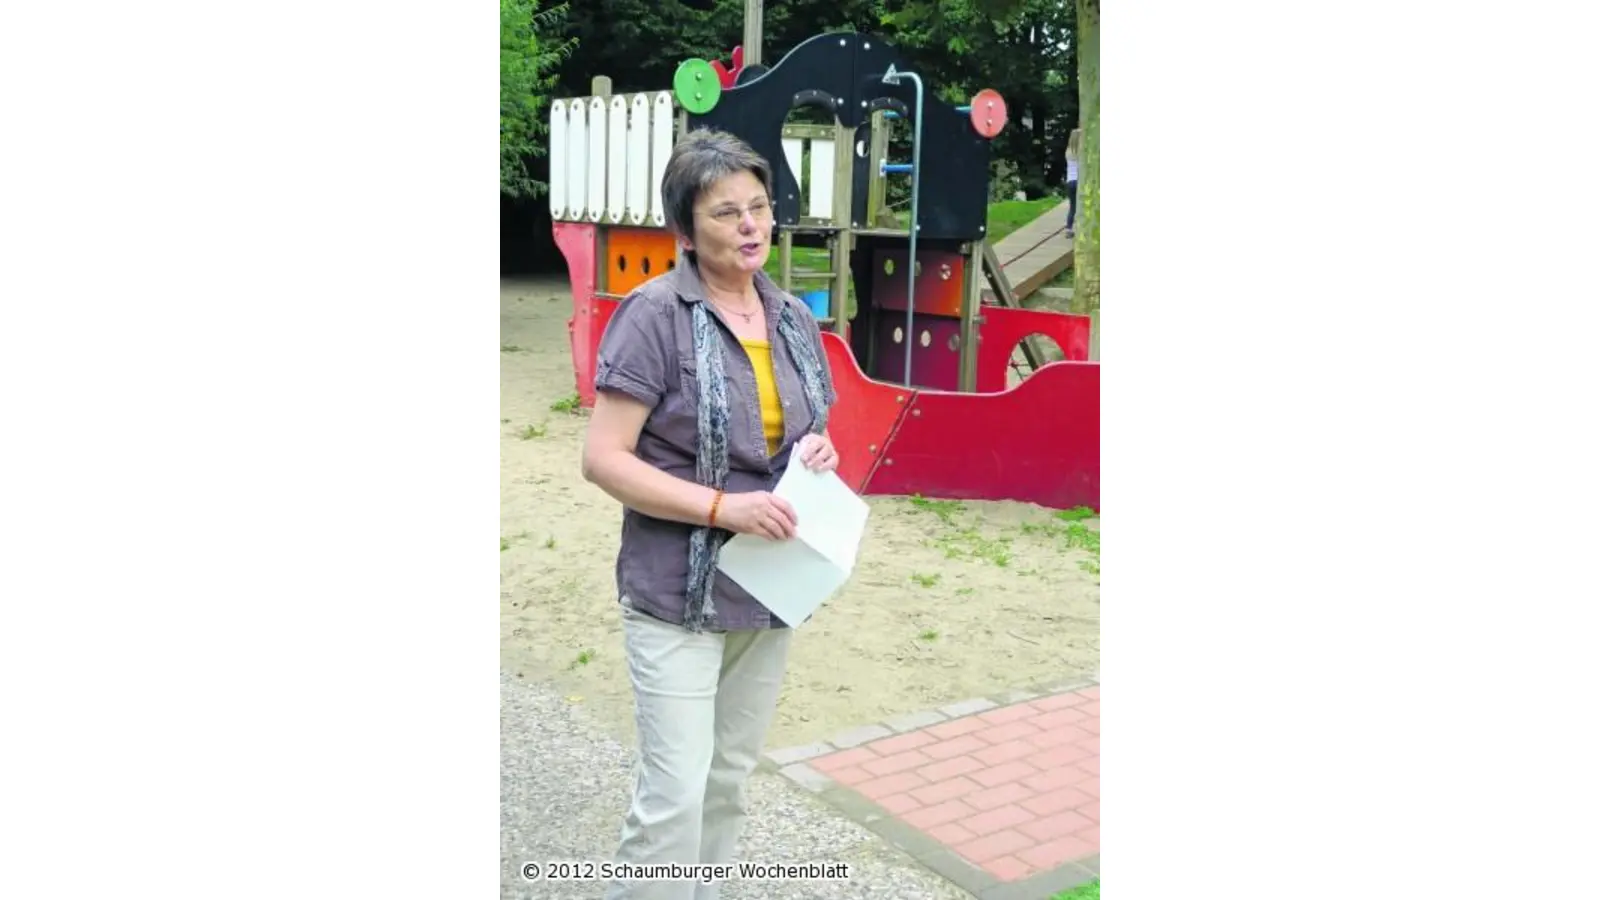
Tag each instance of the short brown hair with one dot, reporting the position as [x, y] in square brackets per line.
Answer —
[700, 159]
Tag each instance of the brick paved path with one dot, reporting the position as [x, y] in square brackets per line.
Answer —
[1013, 791]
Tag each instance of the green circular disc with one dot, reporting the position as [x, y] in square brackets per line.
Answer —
[696, 86]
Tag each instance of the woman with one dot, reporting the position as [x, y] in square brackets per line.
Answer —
[709, 378]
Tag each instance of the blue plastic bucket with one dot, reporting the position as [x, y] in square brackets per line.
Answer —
[818, 301]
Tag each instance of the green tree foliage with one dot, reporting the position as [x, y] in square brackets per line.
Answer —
[638, 44]
[529, 55]
[1021, 48]
[1025, 49]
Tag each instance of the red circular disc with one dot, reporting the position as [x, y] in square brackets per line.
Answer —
[988, 112]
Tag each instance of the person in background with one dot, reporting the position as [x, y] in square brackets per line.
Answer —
[1074, 144]
[709, 378]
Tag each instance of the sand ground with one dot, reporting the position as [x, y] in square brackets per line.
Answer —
[948, 601]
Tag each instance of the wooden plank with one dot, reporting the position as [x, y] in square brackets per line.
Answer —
[1036, 269]
[808, 132]
[997, 278]
[1002, 289]
[1035, 253]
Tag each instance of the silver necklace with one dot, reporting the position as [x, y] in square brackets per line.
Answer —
[749, 317]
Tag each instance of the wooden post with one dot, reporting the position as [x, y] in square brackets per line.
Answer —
[877, 185]
[844, 141]
[600, 86]
[786, 260]
[844, 156]
[971, 318]
[752, 32]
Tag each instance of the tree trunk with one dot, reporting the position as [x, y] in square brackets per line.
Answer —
[753, 28]
[1086, 241]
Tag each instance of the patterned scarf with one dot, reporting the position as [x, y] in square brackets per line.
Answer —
[711, 457]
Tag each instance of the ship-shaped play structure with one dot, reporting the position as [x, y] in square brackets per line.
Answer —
[927, 366]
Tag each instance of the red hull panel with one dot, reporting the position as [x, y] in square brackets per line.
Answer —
[970, 446]
[576, 241]
[865, 416]
[1004, 328]
[1038, 443]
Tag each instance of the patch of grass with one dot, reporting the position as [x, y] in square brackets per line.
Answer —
[584, 658]
[505, 421]
[1007, 216]
[511, 348]
[965, 592]
[550, 543]
[928, 635]
[567, 404]
[813, 259]
[504, 545]
[945, 509]
[1090, 891]
[1066, 526]
[969, 544]
[1075, 535]
[1004, 217]
[531, 432]
[1063, 279]
[1083, 537]
[960, 541]
[926, 580]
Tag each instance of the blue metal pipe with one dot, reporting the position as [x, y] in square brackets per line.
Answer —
[891, 114]
[893, 77]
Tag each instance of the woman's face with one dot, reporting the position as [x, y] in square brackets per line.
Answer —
[733, 225]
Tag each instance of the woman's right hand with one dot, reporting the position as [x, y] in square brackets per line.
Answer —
[759, 513]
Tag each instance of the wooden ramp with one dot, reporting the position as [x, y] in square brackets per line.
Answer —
[1024, 261]
[1035, 253]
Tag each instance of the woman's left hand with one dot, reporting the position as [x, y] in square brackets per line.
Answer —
[817, 453]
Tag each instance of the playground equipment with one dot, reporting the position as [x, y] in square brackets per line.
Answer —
[923, 367]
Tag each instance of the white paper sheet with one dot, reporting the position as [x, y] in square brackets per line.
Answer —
[794, 578]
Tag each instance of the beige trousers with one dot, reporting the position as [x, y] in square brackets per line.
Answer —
[702, 703]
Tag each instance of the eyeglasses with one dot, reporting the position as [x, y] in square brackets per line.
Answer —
[761, 210]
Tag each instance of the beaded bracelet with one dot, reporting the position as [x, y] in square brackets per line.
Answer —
[715, 502]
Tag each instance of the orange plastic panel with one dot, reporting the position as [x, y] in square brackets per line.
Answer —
[939, 285]
[636, 255]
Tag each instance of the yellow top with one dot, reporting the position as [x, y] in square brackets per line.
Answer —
[767, 388]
